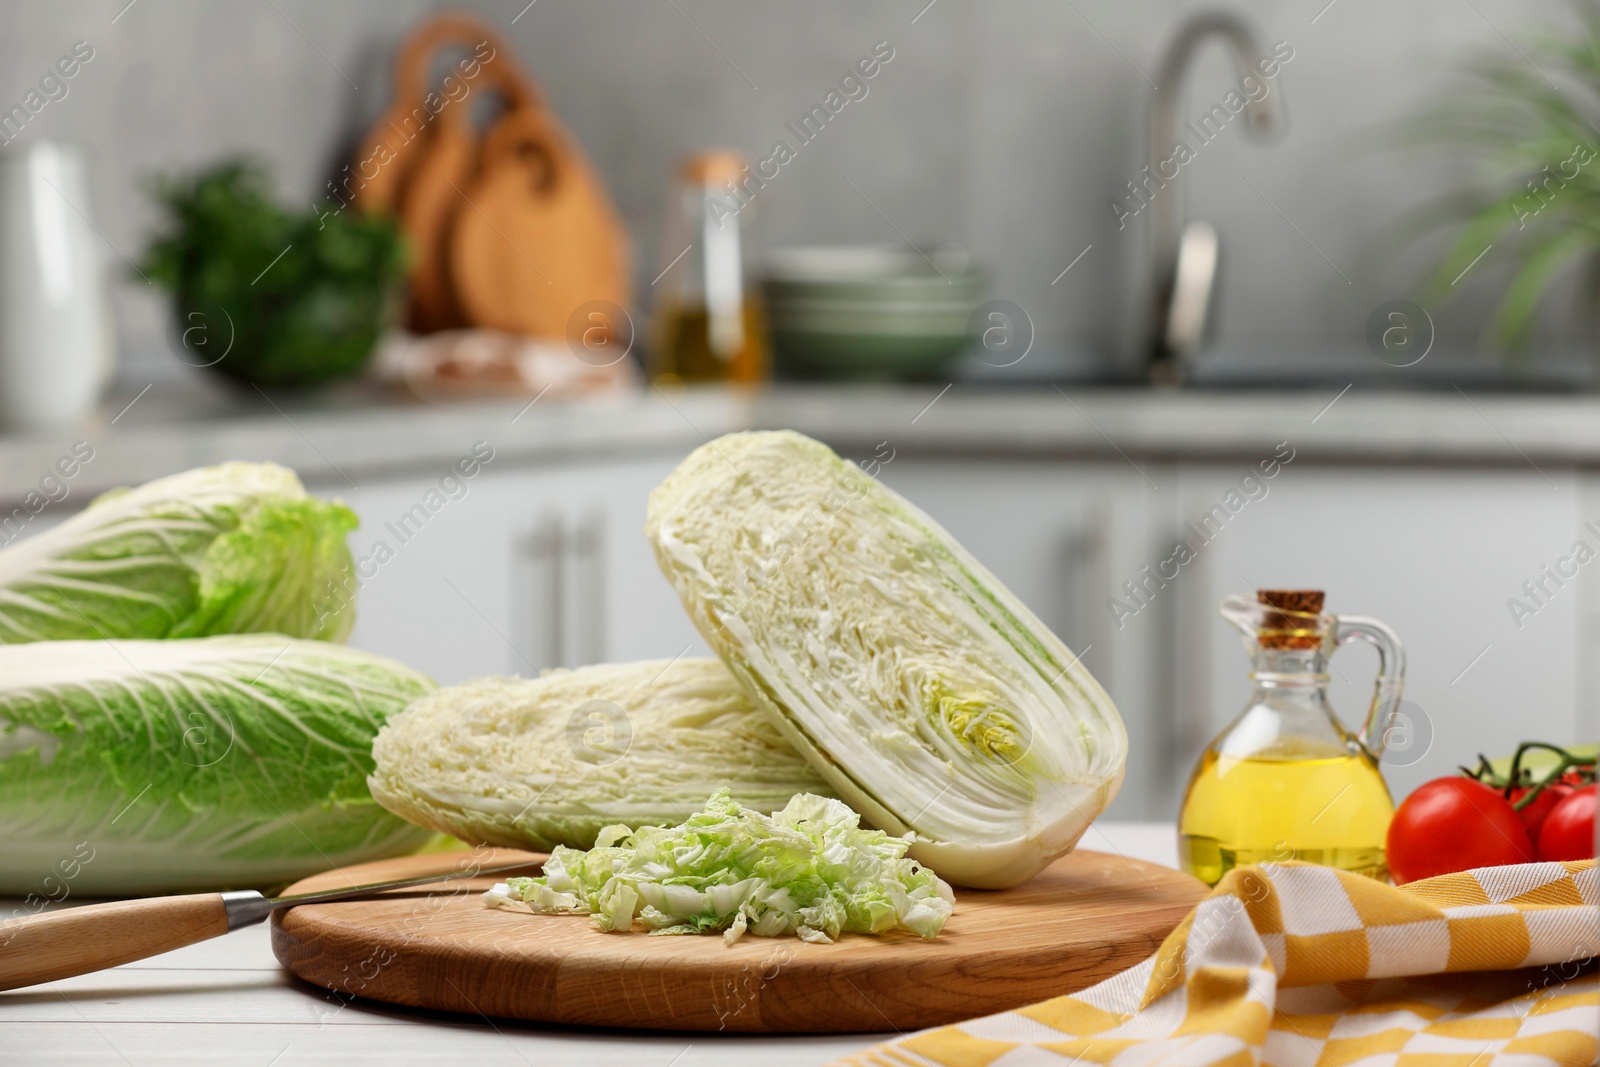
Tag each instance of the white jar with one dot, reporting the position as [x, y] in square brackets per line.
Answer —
[55, 322]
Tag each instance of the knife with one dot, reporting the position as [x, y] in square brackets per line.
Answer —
[92, 937]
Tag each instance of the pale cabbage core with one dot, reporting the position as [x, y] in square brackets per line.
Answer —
[879, 640]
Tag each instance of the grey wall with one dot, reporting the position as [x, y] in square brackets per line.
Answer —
[1004, 124]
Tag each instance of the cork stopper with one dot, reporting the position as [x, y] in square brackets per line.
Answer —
[1297, 621]
[715, 167]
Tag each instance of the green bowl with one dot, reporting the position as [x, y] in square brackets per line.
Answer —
[869, 312]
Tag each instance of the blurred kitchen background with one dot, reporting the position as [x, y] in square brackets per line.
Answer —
[1007, 127]
[993, 146]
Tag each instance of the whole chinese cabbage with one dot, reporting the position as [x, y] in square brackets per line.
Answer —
[159, 766]
[551, 761]
[808, 870]
[236, 548]
[931, 699]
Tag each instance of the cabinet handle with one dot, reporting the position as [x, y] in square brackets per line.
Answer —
[568, 598]
[544, 549]
[555, 606]
[1183, 665]
[590, 585]
[1086, 587]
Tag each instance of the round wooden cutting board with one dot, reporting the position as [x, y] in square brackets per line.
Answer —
[1086, 918]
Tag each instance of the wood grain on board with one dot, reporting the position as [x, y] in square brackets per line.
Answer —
[1088, 917]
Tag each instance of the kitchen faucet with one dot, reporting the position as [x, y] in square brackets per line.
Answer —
[1185, 254]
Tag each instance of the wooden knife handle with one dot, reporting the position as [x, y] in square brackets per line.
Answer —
[92, 937]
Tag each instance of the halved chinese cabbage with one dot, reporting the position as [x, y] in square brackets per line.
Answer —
[130, 767]
[235, 548]
[930, 698]
[536, 763]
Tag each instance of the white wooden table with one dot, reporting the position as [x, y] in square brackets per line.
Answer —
[228, 1001]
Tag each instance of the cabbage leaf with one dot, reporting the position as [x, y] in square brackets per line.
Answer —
[192, 764]
[808, 870]
[931, 699]
[236, 548]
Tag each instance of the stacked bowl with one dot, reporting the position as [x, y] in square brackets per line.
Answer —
[869, 312]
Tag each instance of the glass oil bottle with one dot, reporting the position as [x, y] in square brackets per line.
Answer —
[707, 324]
[1287, 781]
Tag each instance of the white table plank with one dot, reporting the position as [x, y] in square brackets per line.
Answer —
[441, 1042]
[126, 995]
[247, 949]
[226, 1000]
[1155, 842]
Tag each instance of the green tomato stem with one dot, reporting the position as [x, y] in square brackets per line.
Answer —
[1566, 762]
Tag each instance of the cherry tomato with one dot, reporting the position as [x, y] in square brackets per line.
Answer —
[1568, 832]
[1534, 815]
[1454, 824]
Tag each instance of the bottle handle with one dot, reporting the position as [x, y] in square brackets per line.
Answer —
[1391, 680]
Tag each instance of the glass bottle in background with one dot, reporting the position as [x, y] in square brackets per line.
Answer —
[1286, 780]
[707, 325]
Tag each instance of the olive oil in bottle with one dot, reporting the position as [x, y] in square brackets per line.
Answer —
[1286, 781]
[708, 325]
[1297, 799]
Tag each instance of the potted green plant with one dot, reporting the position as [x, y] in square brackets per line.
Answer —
[1534, 191]
[266, 296]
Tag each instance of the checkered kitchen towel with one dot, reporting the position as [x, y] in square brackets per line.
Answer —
[1294, 965]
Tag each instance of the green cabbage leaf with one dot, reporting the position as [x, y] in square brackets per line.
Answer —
[932, 700]
[808, 870]
[231, 761]
[236, 548]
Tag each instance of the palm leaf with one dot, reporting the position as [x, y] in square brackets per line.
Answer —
[1522, 133]
[1512, 324]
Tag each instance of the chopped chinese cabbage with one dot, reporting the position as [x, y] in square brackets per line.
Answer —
[808, 870]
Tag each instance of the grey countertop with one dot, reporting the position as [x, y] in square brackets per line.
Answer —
[337, 435]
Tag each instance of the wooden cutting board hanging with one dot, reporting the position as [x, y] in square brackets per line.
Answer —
[1085, 918]
[522, 180]
[540, 238]
[413, 157]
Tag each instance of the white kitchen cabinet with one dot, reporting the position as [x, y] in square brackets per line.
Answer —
[1064, 537]
[1435, 553]
[529, 568]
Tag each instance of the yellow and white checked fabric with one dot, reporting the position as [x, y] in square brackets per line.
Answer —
[1294, 965]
